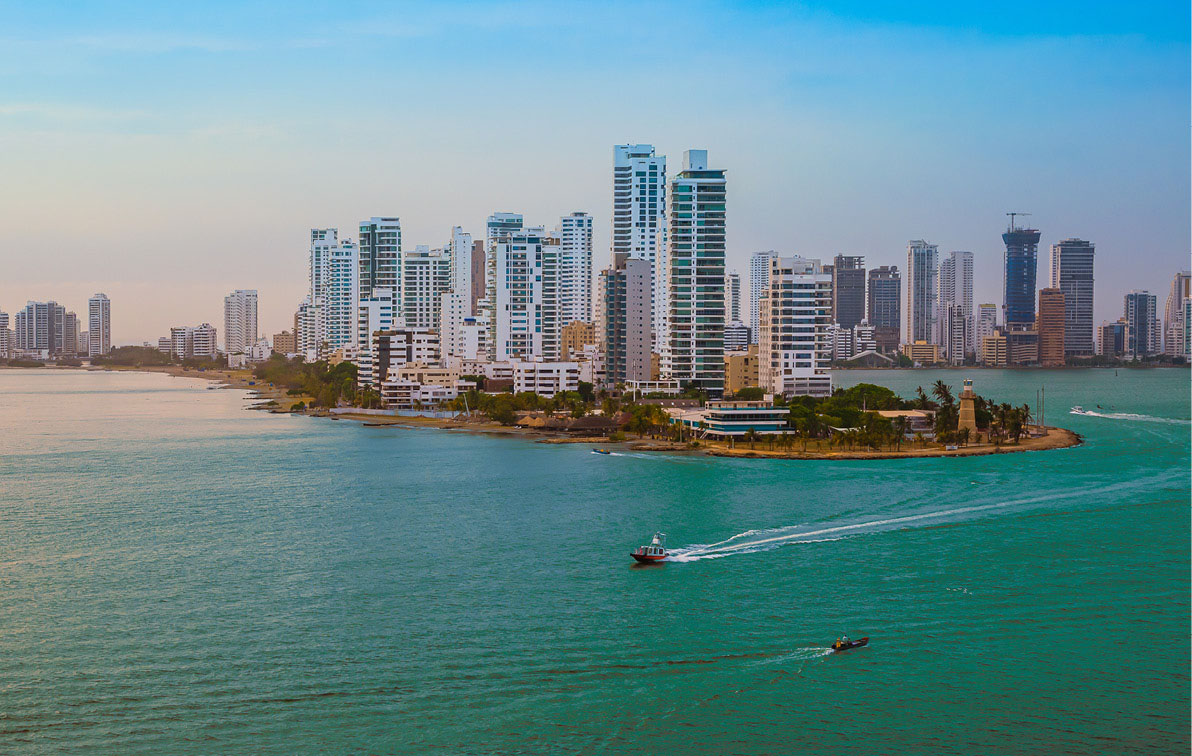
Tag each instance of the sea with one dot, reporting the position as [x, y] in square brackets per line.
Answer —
[180, 575]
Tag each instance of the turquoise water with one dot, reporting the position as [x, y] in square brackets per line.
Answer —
[178, 575]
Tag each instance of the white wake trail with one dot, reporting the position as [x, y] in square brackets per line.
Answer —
[1132, 416]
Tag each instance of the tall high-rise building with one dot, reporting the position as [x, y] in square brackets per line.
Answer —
[46, 327]
[956, 288]
[956, 333]
[342, 298]
[99, 325]
[695, 251]
[794, 349]
[627, 319]
[313, 334]
[478, 268]
[380, 256]
[732, 296]
[190, 342]
[1175, 321]
[986, 323]
[759, 281]
[497, 229]
[1072, 274]
[240, 325]
[1142, 325]
[1021, 268]
[574, 233]
[1051, 327]
[639, 200]
[426, 276]
[885, 306]
[922, 274]
[6, 337]
[848, 290]
[526, 299]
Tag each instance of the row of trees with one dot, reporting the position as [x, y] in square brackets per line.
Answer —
[143, 356]
[327, 385]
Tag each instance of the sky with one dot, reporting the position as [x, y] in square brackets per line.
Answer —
[167, 153]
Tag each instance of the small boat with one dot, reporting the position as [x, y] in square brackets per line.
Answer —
[601, 451]
[653, 553]
[844, 644]
[1078, 410]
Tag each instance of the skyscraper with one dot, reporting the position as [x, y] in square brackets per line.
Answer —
[99, 326]
[342, 298]
[922, 272]
[848, 290]
[885, 306]
[574, 233]
[6, 337]
[956, 288]
[526, 304]
[313, 334]
[638, 222]
[627, 318]
[1142, 325]
[695, 250]
[426, 276]
[1022, 253]
[1175, 322]
[986, 324]
[794, 354]
[46, 327]
[497, 229]
[240, 325]
[380, 255]
[732, 295]
[1072, 274]
[759, 281]
[1051, 327]
[956, 332]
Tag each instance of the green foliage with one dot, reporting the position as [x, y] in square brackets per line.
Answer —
[327, 384]
[587, 392]
[133, 356]
[477, 379]
[750, 394]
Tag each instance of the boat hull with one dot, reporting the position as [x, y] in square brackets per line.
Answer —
[647, 558]
[851, 644]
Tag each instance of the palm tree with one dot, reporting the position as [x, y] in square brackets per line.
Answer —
[751, 436]
[942, 392]
[962, 436]
[900, 426]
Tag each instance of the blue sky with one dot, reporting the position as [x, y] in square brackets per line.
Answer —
[166, 154]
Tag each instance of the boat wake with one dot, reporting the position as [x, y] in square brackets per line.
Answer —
[1132, 416]
[753, 541]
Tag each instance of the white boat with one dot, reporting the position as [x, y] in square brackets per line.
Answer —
[1078, 410]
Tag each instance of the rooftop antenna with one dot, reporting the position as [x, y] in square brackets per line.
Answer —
[1012, 219]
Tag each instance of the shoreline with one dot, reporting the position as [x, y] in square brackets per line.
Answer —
[1055, 438]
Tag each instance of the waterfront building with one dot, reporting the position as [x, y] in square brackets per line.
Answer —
[284, 343]
[840, 342]
[727, 419]
[1142, 325]
[794, 354]
[741, 369]
[732, 296]
[545, 378]
[47, 329]
[380, 256]
[313, 310]
[458, 306]
[6, 337]
[956, 288]
[884, 310]
[759, 281]
[574, 233]
[342, 297]
[1051, 327]
[986, 323]
[1021, 268]
[526, 296]
[922, 352]
[1175, 320]
[99, 326]
[165, 344]
[638, 220]
[497, 229]
[736, 336]
[1072, 274]
[627, 318]
[864, 338]
[695, 250]
[193, 342]
[922, 274]
[574, 337]
[995, 350]
[1022, 345]
[426, 276]
[848, 290]
[375, 313]
[240, 325]
[401, 346]
[1111, 338]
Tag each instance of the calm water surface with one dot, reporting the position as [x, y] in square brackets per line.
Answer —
[178, 575]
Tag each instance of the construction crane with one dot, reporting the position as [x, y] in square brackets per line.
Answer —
[1012, 218]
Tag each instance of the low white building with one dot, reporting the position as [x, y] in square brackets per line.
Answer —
[404, 393]
[545, 378]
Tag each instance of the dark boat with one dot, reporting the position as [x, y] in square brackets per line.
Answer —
[652, 554]
[844, 644]
[601, 451]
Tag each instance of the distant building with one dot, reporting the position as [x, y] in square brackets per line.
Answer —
[574, 233]
[885, 307]
[1051, 327]
[393, 349]
[986, 324]
[6, 336]
[426, 276]
[1111, 339]
[922, 279]
[477, 277]
[1176, 324]
[627, 318]
[380, 256]
[575, 336]
[240, 325]
[732, 297]
[956, 305]
[848, 290]
[99, 326]
[1142, 325]
[341, 299]
[922, 352]
[46, 328]
[759, 281]
[741, 369]
[193, 342]
[284, 343]
[1072, 274]
[729, 419]
[995, 350]
[1021, 269]
[794, 354]
[639, 219]
[956, 333]
[736, 336]
[545, 378]
[527, 323]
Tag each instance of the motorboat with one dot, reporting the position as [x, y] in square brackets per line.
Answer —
[601, 451]
[844, 644]
[652, 554]
[1078, 410]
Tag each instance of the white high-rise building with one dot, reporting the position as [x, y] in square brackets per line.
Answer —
[526, 298]
[375, 313]
[732, 297]
[639, 218]
[314, 325]
[1072, 274]
[342, 297]
[986, 324]
[795, 346]
[458, 319]
[922, 273]
[6, 336]
[380, 256]
[759, 281]
[99, 326]
[574, 233]
[497, 228]
[240, 325]
[695, 249]
[1175, 323]
[956, 288]
[460, 251]
[426, 275]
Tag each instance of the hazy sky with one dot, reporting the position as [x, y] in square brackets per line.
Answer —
[166, 153]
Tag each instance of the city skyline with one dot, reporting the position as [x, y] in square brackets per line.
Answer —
[819, 146]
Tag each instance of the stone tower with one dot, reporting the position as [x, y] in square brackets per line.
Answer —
[968, 409]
